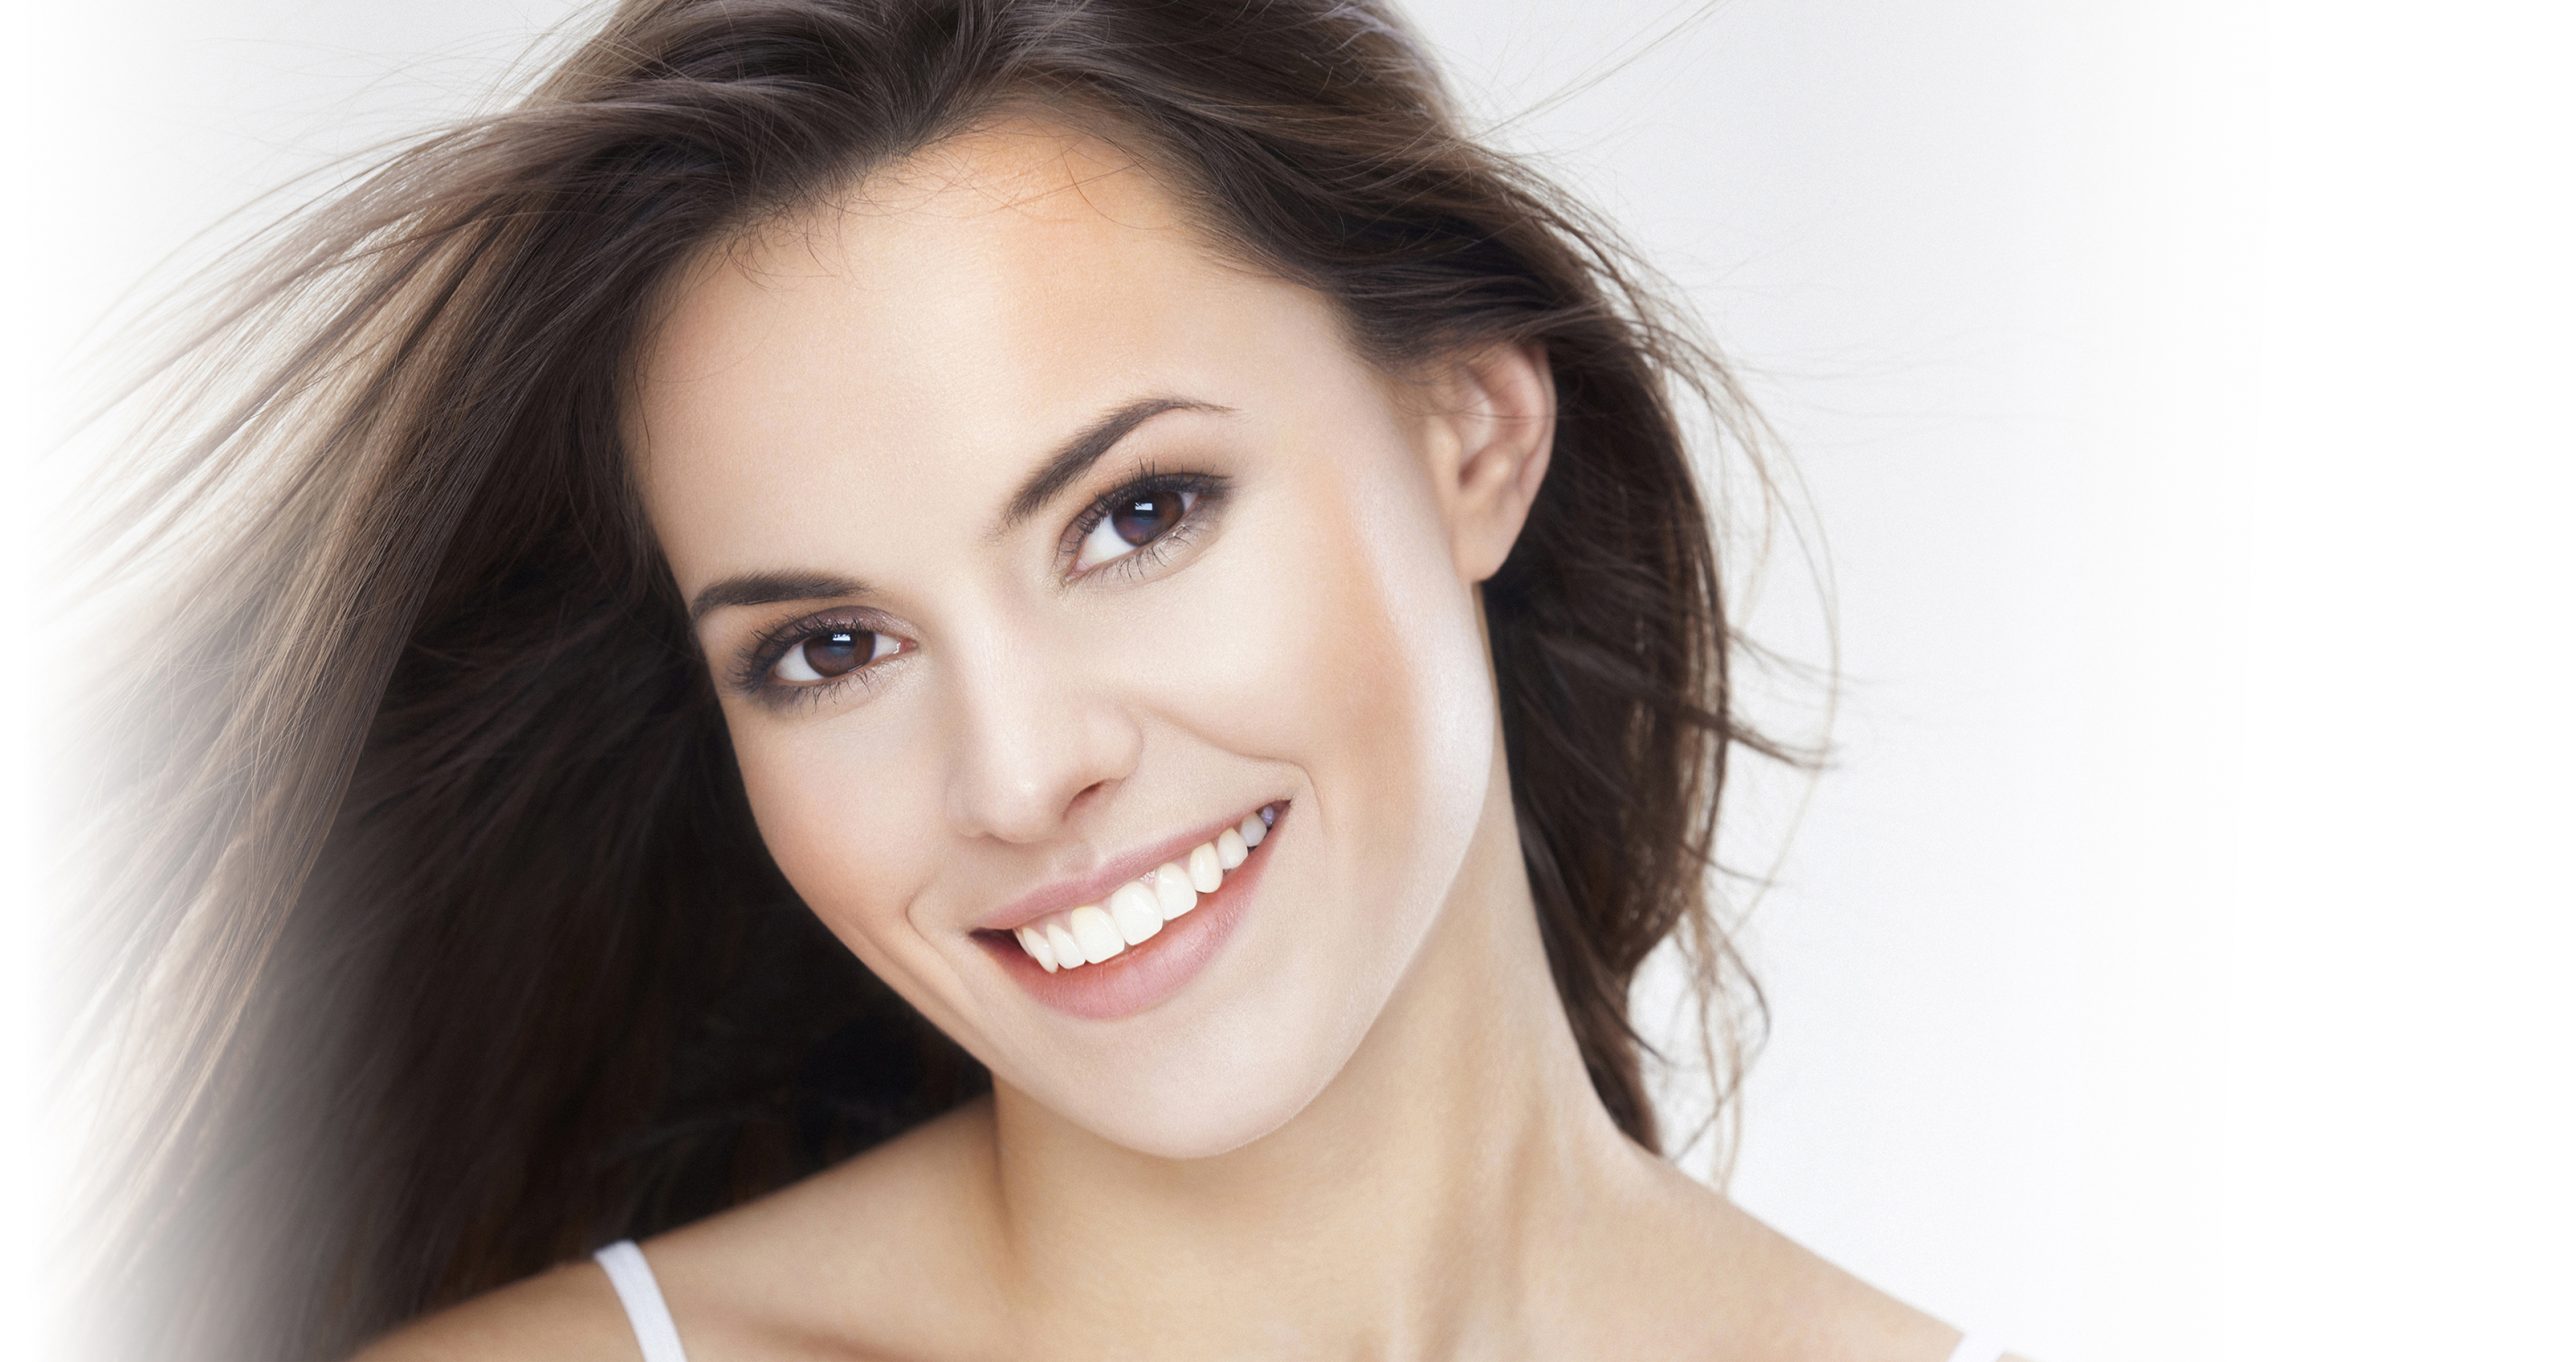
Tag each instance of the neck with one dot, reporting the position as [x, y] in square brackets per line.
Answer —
[1402, 1213]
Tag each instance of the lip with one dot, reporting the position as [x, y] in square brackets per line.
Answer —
[1095, 886]
[1143, 975]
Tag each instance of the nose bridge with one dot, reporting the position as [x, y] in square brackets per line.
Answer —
[1032, 724]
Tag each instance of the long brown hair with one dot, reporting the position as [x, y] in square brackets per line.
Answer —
[421, 937]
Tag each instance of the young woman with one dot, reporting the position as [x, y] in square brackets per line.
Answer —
[926, 679]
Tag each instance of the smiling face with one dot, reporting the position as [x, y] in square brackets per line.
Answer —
[967, 693]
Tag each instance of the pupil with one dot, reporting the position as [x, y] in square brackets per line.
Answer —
[834, 653]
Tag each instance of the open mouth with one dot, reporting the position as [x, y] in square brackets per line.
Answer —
[1136, 912]
[1147, 937]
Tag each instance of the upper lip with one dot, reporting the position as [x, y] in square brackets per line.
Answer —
[1096, 884]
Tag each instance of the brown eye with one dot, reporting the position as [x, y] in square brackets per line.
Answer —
[827, 654]
[1142, 518]
[1133, 520]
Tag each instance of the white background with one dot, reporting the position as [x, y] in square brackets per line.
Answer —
[2160, 973]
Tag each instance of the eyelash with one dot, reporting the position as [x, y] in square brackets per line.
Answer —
[755, 676]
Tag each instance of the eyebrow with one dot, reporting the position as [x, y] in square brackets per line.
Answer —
[1067, 463]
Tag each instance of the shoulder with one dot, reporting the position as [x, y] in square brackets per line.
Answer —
[1757, 1284]
[569, 1313]
[882, 1255]
[743, 1282]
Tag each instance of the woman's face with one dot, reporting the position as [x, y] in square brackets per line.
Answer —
[947, 697]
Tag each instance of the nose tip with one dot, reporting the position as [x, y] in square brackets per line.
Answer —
[1030, 813]
[1036, 751]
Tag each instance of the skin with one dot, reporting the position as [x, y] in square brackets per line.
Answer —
[1363, 1131]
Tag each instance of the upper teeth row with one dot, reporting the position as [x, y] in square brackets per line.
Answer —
[1139, 909]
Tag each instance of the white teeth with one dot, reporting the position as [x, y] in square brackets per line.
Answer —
[1095, 934]
[1140, 909]
[1207, 873]
[1173, 889]
[1135, 912]
[1062, 943]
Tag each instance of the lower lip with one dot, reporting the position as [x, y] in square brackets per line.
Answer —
[1143, 975]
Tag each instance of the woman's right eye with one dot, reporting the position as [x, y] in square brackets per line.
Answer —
[829, 652]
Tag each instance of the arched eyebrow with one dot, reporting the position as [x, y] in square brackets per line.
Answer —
[1046, 484]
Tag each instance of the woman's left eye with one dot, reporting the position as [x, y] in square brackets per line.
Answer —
[1141, 520]
[1133, 521]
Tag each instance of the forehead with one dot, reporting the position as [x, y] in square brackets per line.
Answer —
[930, 332]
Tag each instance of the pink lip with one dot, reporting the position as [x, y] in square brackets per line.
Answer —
[1096, 885]
[1151, 971]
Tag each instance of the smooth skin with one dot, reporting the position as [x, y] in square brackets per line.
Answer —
[1363, 1131]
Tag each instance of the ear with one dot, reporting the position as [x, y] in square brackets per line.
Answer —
[1488, 432]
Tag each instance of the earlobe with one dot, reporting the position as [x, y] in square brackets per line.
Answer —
[1498, 414]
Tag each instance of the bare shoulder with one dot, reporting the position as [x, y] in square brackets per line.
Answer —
[1789, 1302]
[568, 1312]
[878, 1257]
[744, 1282]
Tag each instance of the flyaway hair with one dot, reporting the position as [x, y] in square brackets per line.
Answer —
[419, 936]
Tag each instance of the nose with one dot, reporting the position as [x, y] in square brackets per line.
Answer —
[1036, 736]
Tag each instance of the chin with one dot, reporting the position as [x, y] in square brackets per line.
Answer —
[1189, 1118]
[1227, 1078]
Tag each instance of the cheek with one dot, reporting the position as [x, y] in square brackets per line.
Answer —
[826, 808]
[1367, 672]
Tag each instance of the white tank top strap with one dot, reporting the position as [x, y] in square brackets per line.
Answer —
[1976, 1348]
[628, 1270]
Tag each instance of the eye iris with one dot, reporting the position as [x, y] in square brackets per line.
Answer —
[835, 652]
[1146, 516]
